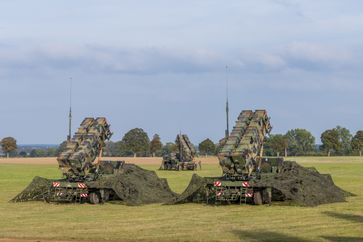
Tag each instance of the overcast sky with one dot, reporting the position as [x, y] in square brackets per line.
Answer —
[160, 65]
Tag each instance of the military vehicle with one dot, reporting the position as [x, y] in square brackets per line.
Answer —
[182, 159]
[81, 166]
[242, 162]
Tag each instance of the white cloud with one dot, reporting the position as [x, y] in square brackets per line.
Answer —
[316, 52]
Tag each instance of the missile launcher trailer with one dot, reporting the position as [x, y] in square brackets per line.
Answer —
[81, 166]
[182, 159]
[242, 162]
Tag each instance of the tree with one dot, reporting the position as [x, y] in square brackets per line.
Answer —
[51, 152]
[112, 149]
[33, 153]
[156, 145]
[169, 148]
[330, 140]
[22, 154]
[345, 139]
[278, 144]
[137, 142]
[338, 140]
[8, 145]
[207, 147]
[300, 141]
[357, 142]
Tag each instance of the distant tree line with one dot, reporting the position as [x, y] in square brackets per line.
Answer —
[136, 143]
[300, 142]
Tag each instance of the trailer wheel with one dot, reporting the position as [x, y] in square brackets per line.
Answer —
[267, 196]
[106, 196]
[94, 198]
[257, 198]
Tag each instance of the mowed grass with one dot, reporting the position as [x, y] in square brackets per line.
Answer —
[187, 222]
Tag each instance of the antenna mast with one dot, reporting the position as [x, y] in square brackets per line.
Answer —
[227, 104]
[70, 111]
[180, 147]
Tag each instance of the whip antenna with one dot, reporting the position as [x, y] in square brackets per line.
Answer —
[227, 103]
[70, 111]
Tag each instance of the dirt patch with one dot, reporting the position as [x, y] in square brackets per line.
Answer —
[30, 161]
[53, 160]
[295, 184]
[133, 186]
[130, 160]
[47, 240]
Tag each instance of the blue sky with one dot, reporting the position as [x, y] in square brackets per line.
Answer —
[160, 65]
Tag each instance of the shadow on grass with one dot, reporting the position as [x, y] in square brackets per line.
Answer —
[266, 236]
[349, 217]
[343, 239]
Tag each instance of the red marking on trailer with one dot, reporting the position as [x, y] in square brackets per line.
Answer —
[249, 194]
[218, 194]
[217, 184]
[82, 185]
[245, 184]
[56, 184]
[84, 195]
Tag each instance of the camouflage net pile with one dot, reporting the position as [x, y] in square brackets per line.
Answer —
[303, 186]
[294, 184]
[137, 186]
[36, 191]
[134, 186]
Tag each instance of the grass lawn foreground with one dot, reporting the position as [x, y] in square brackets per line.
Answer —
[187, 222]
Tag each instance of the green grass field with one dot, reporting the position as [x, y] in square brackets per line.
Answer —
[188, 222]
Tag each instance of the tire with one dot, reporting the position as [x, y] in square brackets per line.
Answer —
[106, 196]
[257, 198]
[94, 198]
[266, 196]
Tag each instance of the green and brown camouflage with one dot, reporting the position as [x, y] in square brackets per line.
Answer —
[80, 155]
[242, 163]
[86, 188]
[242, 152]
[81, 166]
[182, 159]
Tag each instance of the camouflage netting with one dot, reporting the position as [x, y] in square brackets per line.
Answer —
[195, 192]
[303, 186]
[134, 186]
[35, 191]
[295, 184]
